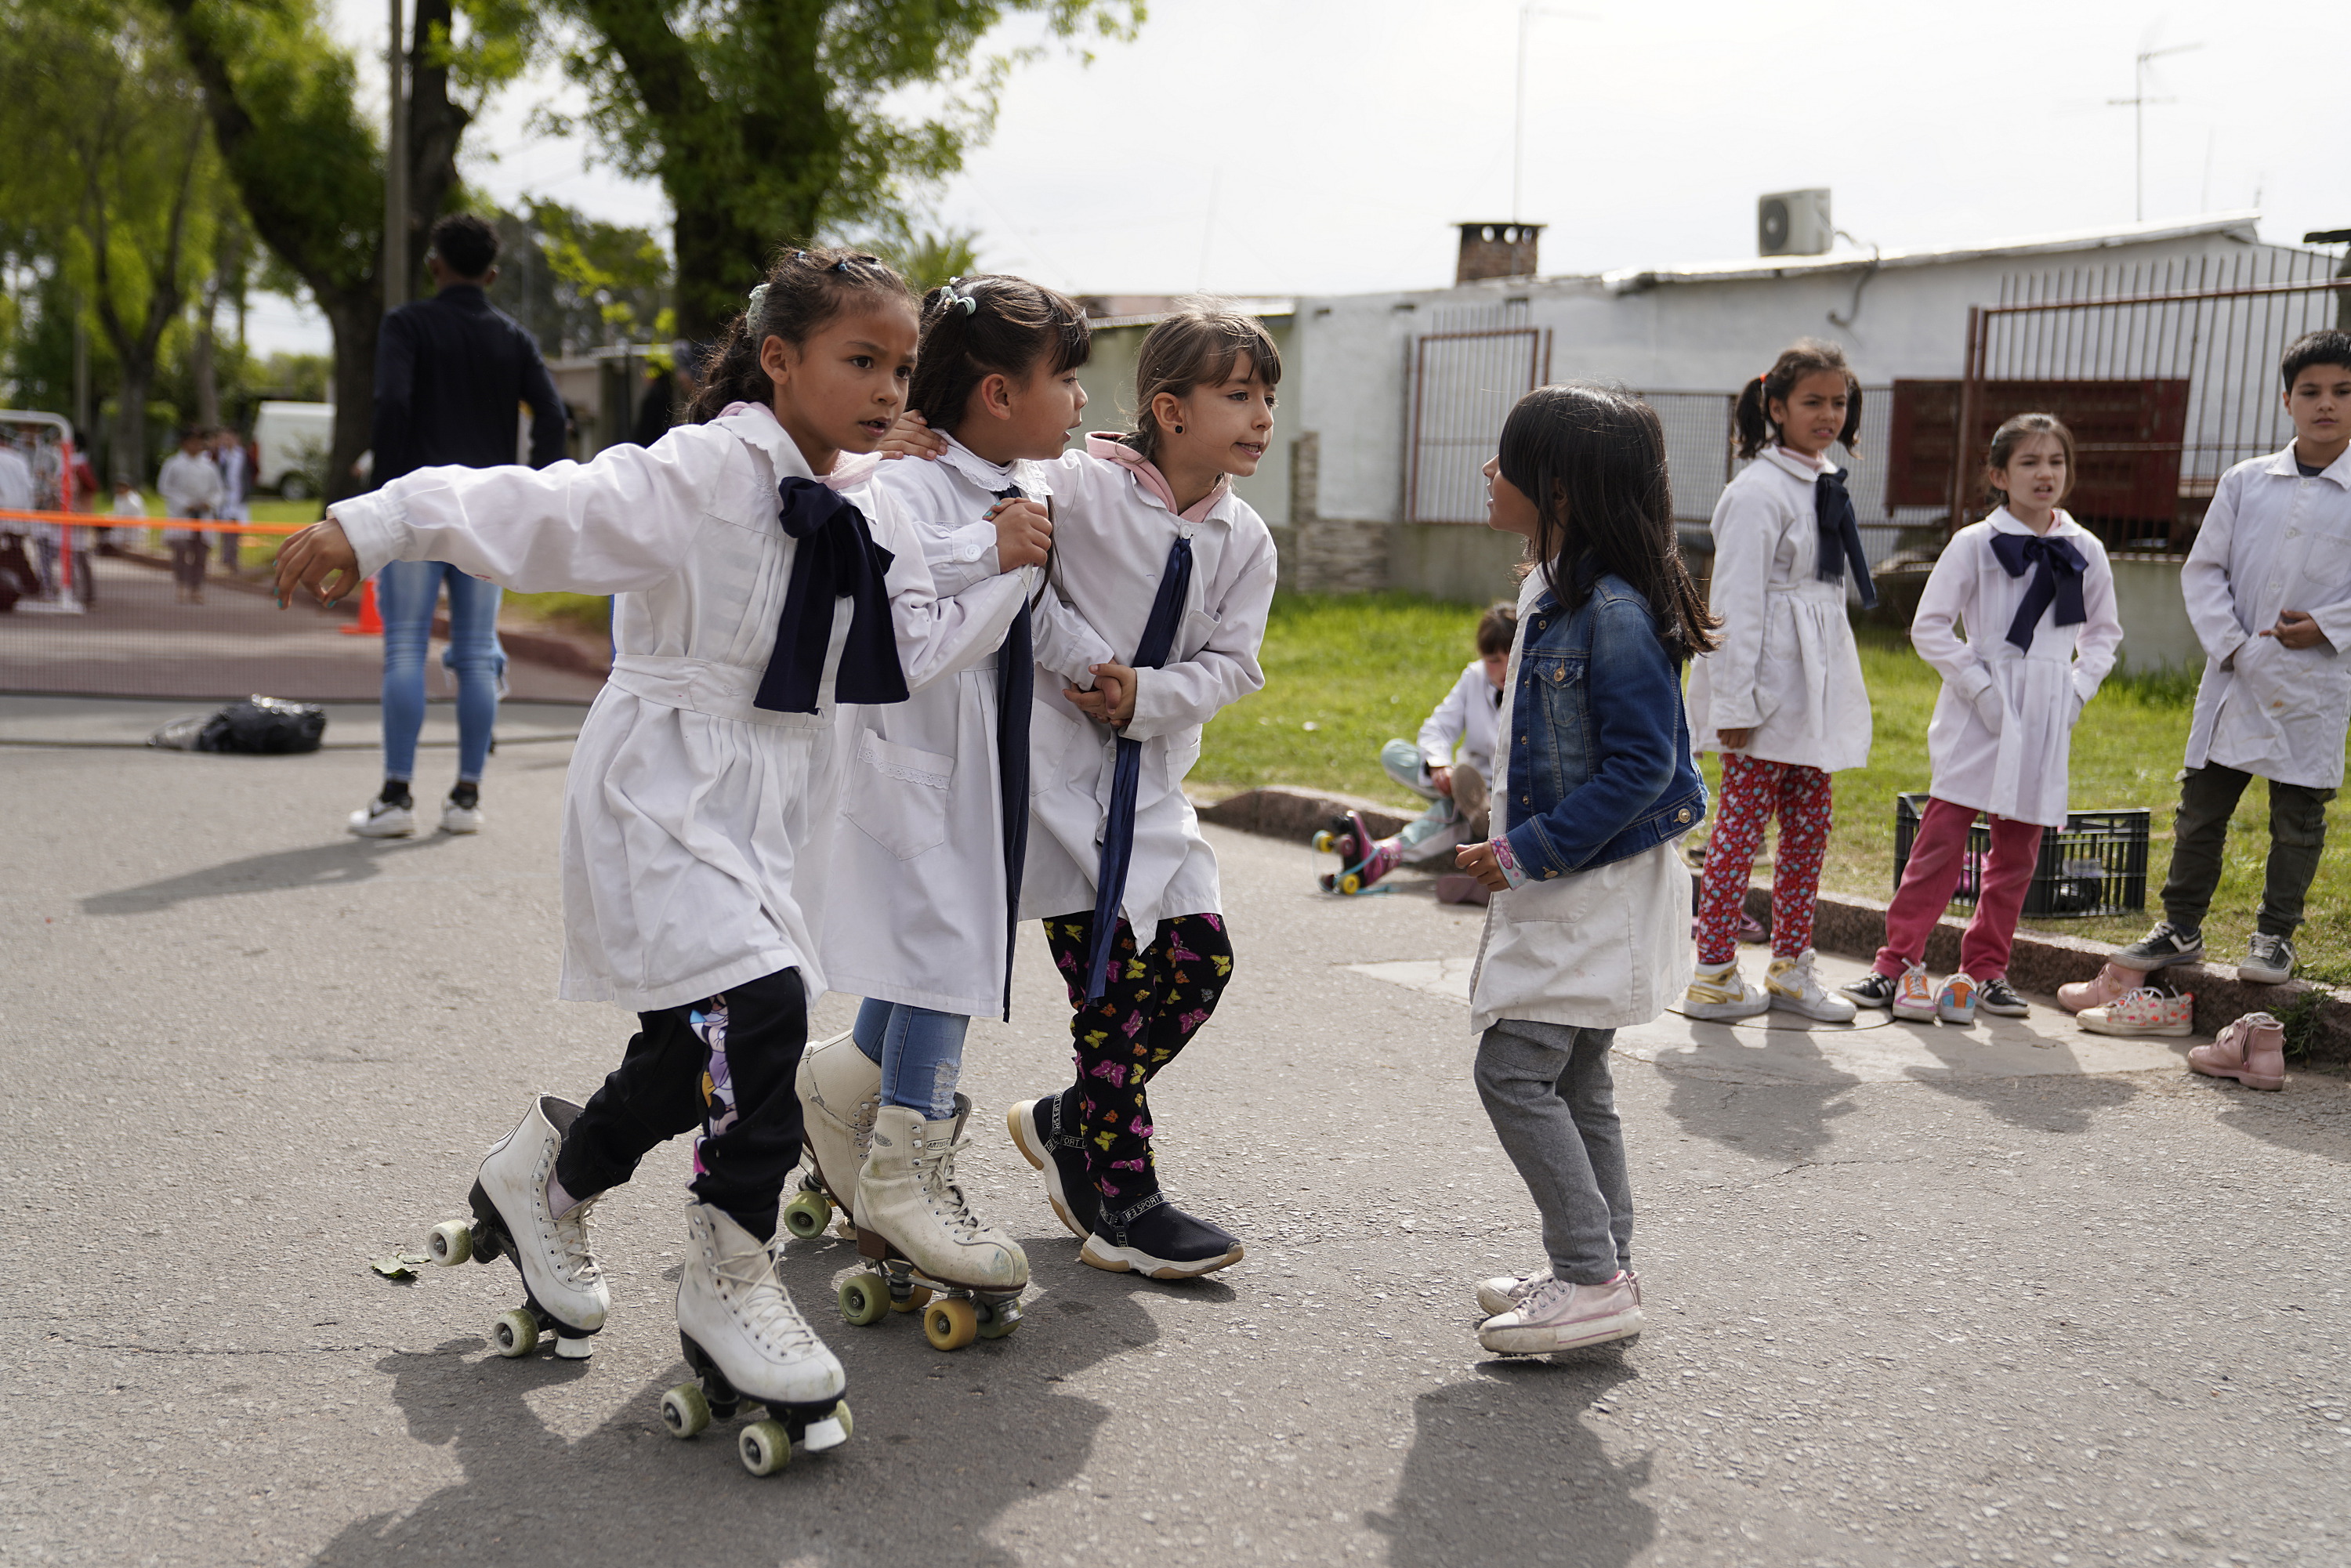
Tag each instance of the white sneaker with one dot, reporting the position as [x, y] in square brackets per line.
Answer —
[1555, 1316]
[378, 820]
[1914, 995]
[1718, 991]
[456, 819]
[558, 1268]
[734, 1310]
[1504, 1293]
[1794, 988]
[908, 1201]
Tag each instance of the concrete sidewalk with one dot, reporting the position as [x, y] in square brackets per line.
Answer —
[1915, 1296]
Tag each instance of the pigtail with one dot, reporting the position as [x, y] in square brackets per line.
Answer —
[974, 328]
[1850, 436]
[730, 374]
[1754, 430]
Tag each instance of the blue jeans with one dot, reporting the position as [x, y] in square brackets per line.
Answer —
[921, 1053]
[405, 594]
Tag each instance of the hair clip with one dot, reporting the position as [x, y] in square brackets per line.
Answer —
[758, 302]
[955, 292]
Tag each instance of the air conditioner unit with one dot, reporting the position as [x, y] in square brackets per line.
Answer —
[1793, 222]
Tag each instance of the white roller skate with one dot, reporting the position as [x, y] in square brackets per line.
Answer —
[839, 1089]
[564, 1289]
[746, 1342]
[917, 1234]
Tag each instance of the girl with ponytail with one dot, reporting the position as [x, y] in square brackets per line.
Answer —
[1782, 698]
[749, 598]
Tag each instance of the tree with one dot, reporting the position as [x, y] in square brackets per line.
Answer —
[576, 282]
[766, 119]
[281, 97]
[108, 146]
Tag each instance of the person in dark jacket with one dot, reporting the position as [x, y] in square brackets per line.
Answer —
[452, 373]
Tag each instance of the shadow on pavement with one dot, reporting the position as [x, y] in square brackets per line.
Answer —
[1504, 1467]
[944, 1445]
[1766, 1120]
[336, 864]
[2313, 1116]
[2049, 1103]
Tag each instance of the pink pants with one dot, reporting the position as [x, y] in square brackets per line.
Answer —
[1752, 793]
[1938, 859]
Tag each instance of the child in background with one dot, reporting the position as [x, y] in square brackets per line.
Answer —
[191, 484]
[702, 782]
[2268, 585]
[128, 503]
[1782, 697]
[935, 806]
[2037, 598]
[1456, 790]
[1588, 927]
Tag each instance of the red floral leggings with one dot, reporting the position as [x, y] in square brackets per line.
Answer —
[1752, 793]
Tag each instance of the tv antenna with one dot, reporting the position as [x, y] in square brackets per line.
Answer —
[2137, 102]
[1527, 15]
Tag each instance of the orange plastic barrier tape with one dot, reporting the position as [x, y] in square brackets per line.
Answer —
[108, 520]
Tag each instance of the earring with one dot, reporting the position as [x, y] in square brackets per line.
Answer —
[1179, 430]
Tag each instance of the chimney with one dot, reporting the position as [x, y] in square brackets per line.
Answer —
[1497, 250]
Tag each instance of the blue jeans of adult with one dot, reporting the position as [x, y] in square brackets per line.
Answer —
[920, 1052]
[405, 591]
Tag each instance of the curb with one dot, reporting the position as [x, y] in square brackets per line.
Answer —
[1854, 927]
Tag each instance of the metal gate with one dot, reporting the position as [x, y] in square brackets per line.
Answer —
[1464, 385]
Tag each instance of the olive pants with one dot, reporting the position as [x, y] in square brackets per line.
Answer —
[2208, 798]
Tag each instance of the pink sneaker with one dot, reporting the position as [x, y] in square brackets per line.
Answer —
[2251, 1050]
[2112, 983]
[2143, 1011]
[1555, 1315]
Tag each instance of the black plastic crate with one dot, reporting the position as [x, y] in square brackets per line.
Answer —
[2094, 864]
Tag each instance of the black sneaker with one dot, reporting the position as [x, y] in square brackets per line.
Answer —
[1874, 989]
[1036, 1133]
[2269, 960]
[2167, 943]
[1995, 995]
[1157, 1238]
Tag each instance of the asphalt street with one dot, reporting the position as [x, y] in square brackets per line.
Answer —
[1916, 1295]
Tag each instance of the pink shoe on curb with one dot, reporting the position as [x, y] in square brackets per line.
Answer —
[2112, 985]
[1555, 1315]
[2251, 1050]
[2145, 1011]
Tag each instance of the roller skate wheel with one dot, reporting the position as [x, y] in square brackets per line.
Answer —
[1322, 841]
[1351, 884]
[864, 1299]
[515, 1334]
[807, 1215]
[573, 1347]
[950, 1324]
[765, 1447]
[684, 1411]
[828, 1432]
[914, 1301]
[451, 1243]
[1001, 1319]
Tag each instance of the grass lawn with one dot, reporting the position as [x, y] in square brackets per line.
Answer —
[1343, 674]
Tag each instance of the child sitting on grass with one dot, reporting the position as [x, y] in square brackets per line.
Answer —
[1455, 789]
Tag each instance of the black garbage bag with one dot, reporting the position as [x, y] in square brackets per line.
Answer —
[260, 726]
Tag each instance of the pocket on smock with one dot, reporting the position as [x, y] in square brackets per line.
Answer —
[898, 795]
[1194, 633]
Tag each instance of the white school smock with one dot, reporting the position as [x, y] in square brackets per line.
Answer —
[919, 913]
[2273, 541]
[687, 812]
[1111, 538]
[2022, 774]
[1470, 716]
[192, 489]
[1787, 667]
[1604, 948]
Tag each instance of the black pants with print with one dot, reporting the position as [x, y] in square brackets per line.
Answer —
[670, 1082]
[1155, 1002]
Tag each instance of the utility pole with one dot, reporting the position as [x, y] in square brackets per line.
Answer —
[1527, 15]
[81, 379]
[395, 169]
[2137, 102]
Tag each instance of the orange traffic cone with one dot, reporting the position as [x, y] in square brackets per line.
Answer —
[370, 623]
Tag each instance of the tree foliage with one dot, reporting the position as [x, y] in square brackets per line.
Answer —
[770, 119]
[576, 282]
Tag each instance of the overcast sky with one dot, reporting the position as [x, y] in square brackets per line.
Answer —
[1320, 146]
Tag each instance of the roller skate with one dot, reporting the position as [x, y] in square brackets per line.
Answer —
[1363, 860]
[919, 1237]
[1060, 1159]
[839, 1089]
[747, 1343]
[562, 1288]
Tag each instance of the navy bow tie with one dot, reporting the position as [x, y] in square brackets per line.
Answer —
[836, 559]
[1126, 775]
[1840, 536]
[2056, 568]
[1016, 686]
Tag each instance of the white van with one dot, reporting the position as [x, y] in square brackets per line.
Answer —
[295, 439]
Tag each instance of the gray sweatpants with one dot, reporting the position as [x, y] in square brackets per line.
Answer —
[1547, 1088]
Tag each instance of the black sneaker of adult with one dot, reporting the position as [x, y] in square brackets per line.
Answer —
[1161, 1241]
[1060, 1159]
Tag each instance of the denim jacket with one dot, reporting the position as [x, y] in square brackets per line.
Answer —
[1600, 762]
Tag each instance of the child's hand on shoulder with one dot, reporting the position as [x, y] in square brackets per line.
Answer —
[311, 557]
[911, 435]
[1024, 534]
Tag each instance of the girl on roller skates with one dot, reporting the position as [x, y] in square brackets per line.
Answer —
[1588, 927]
[1167, 577]
[702, 774]
[934, 802]
[1784, 699]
